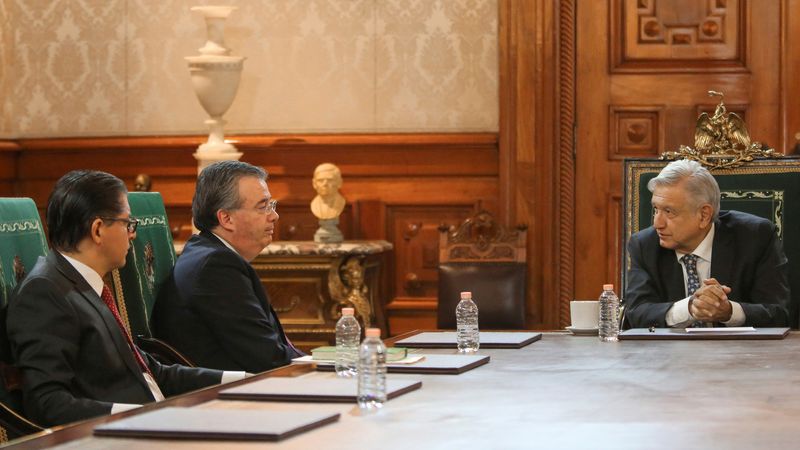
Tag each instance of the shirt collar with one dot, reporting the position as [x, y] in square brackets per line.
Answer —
[90, 275]
[703, 251]
[227, 244]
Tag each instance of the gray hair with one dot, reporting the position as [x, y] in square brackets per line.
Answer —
[218, 188]
[700, 184]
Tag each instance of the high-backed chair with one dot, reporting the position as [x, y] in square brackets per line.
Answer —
[22, 242]
[147, 267]
[769, 188]
[485, 258]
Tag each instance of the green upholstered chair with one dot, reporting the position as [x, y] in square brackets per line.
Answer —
[768, 188]
[22, 242]
[148, 266]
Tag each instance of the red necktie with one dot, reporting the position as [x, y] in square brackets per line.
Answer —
[109, 301]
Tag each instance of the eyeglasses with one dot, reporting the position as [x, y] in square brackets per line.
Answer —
[270, 206]
[130, 223]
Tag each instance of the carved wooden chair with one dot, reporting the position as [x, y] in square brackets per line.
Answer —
[484, 257]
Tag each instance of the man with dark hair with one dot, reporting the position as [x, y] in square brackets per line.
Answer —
[77, 359]
[699, 265]
[214, 308]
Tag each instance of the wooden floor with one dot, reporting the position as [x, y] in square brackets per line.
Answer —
[565, 392]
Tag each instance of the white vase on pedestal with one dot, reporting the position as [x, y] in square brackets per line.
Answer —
[215, 77]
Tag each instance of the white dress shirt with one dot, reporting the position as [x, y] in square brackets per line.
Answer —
[678, 315]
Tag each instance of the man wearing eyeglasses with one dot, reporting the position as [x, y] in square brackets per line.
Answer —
[213, 308]
[76, 357]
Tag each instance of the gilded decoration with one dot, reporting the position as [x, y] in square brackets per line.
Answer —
[721, 141]
[347, 288]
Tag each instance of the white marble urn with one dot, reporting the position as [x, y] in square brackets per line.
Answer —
[215, 77]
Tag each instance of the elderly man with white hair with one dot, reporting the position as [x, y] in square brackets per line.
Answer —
[698, 265]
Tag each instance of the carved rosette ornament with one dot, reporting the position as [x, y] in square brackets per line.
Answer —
[721, 141]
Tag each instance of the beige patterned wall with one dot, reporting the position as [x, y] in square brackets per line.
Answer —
[115, 67]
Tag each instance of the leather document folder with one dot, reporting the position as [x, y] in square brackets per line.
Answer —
[304, 389]
[432, 364]
[223, 424]
[718, 334]
[489, 339]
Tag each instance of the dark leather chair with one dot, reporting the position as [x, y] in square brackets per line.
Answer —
[768, 188]
[485, 258]
[148, 265]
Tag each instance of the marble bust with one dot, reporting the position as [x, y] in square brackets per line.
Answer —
[329, 203]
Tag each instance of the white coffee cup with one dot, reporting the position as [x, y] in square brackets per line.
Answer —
[585, 314]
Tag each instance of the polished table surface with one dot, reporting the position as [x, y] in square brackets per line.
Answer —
[568, 392]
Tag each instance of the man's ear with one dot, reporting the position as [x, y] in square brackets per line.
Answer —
[225, 219]
[706, 215]
[96, 230]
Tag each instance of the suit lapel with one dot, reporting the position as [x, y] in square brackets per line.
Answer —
[722, 255]
[672, 273]
[86, 291]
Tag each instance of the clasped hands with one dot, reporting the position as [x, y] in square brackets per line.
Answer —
[710, 302]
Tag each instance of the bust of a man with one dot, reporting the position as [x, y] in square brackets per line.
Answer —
[329, 203]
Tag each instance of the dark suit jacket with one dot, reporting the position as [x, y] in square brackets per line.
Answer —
[74, 359]
[747, 256]
[214, 310]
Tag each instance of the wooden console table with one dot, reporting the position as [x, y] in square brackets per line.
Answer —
[309, 283]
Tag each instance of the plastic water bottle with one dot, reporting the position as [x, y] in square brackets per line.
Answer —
[348, 335]
[372, 372]
[609, 314]
[468, 336]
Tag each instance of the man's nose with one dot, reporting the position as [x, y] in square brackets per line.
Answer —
[658, 220]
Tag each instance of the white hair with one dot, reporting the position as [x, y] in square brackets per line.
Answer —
[700, 184]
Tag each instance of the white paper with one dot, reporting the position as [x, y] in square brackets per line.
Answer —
[410, 359]
[721, 330]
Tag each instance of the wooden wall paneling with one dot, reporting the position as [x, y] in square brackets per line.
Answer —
[790, 75]
[414, 230]
[530, 74]
[9, 152]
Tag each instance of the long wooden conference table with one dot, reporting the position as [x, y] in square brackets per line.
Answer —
[563, 391]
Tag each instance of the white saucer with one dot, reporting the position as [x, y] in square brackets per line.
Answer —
[583, 331]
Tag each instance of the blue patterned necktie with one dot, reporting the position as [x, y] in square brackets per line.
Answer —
[692, 279]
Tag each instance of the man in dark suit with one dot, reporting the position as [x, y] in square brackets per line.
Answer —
[698, 265]
[214, 308]
[76, 358]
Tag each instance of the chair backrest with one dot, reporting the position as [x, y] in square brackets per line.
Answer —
[483, 257]
[148, 265]
[769, 188]
[22, 242]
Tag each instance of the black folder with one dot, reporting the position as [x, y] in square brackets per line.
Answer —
[682, 334]
[223, 424]
[489, 339]
[303, 389]
[432, 364]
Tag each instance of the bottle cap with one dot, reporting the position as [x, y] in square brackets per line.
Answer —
[466, 294]
[373, 332]
[608, 287]
[348, 311]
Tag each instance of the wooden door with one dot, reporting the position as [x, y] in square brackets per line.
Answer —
[643, 69]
